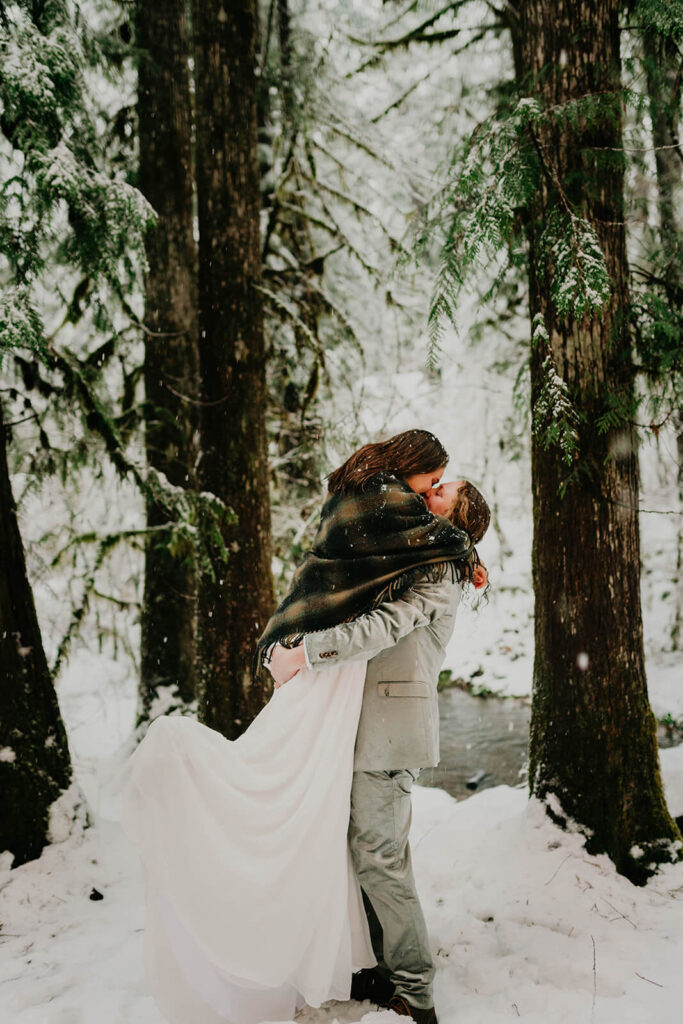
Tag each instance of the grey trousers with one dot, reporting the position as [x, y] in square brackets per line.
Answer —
[378, 839]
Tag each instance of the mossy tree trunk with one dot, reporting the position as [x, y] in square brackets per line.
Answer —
[593, 751]
[234, 608]
[663, 76]
[171, 356]
[35, 765]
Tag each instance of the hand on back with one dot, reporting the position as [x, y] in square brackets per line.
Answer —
[285, 662]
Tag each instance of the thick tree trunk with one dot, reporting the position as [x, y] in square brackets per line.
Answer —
[677, 627]
[284, 34]
[662, 68]
[34, 755]
[297, 433]
[171, 355]
[593, 752]
[235, 607]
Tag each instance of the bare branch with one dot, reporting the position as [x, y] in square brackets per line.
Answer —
[451, 54]
[358, 207]
[306, 331]
[413, 34]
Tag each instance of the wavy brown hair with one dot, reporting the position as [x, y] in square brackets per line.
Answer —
[413, 451]
[470, 511]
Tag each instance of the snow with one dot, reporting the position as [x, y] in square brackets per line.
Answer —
[523, 922]
[516, 908]
[517, 911]
[525, 925]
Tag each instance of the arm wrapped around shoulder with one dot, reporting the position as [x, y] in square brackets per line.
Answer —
[367, 635]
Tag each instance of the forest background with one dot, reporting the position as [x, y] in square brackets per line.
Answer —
[388, 215]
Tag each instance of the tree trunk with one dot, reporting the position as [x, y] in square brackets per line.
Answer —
[662, 68]
[284, 35]
[593, 749]
[171, 356]
[234, 608]
[35, 765]
[677, 627]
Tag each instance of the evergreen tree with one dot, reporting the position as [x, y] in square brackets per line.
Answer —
[171, 369]
[56, 205]
[550, 167]
[593, 749]
[235, 603]
[35, 765]
[660, 333]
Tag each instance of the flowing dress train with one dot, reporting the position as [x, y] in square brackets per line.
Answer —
[252, 905]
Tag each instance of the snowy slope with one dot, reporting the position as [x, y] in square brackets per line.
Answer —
[524, 924]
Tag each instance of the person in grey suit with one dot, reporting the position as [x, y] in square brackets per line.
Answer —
[398, 735]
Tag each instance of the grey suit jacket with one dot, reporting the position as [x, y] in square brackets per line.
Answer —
[406, 643]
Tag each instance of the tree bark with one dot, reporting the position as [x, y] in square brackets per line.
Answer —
[284, 35]
[35, 765]
[593, 749]
[171, 356]
[662, 69]
[234, 608]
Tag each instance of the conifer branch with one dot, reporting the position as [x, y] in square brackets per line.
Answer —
[374, 273]
[416, 34]
[311, 217]
[339, 314]
[356, 174]
[408, 92]
[353, 136]
[359, 207]
[305, 331]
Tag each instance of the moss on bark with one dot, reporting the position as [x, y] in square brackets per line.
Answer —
[593, 751]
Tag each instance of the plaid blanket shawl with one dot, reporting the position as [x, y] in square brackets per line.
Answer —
[370, 547]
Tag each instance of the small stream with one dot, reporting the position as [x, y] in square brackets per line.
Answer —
[484, 742]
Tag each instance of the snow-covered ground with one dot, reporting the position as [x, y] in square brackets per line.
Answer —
[524, 924]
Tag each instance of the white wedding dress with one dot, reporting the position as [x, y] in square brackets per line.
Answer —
[253, 908]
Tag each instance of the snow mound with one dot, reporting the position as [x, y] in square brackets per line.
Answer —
[524, 923]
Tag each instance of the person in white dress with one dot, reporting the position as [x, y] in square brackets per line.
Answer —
[398, 736]
[253, 905]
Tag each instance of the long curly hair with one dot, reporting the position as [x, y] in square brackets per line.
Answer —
[470, 511]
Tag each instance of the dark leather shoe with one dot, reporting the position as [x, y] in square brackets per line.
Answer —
[370, 984]
[402, 1007]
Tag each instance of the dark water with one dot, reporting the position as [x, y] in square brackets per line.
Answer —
[483, 739]
[484, 743]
